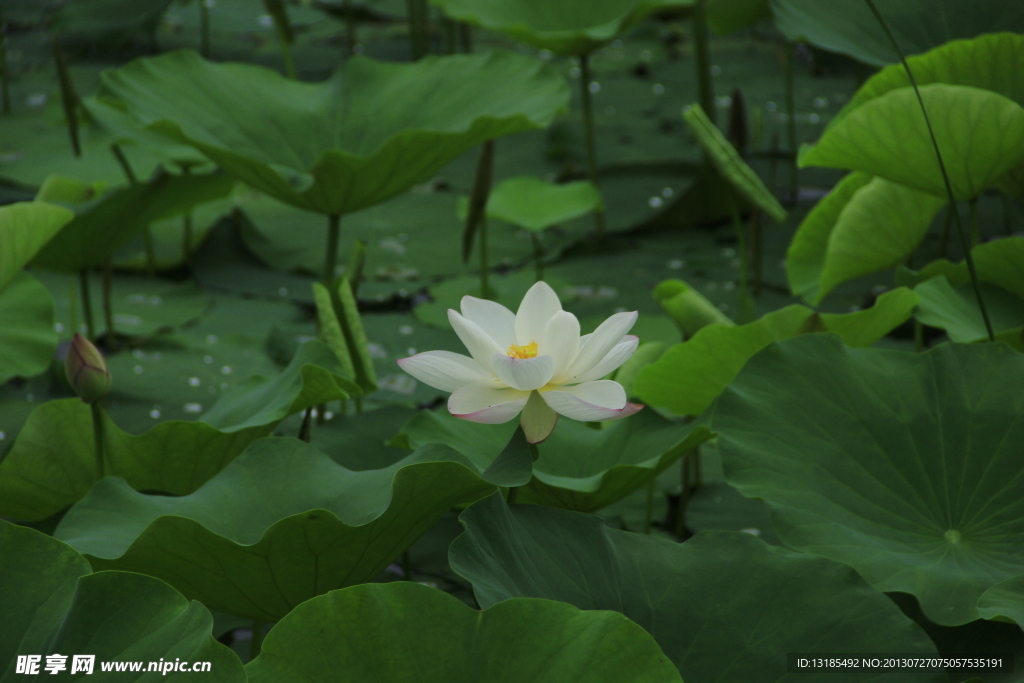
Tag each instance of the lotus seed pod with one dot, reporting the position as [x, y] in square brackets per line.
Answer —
[86, 370]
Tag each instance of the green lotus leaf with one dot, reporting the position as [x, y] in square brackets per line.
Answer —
[24, 228]
[999, 262]
[688, 377]
[353, 635]
[880, 227]
[335, 150]
[104, 221]
[730, 164]
[54, 606]
[904, 466]
[534, 204]
[561, 26]
[27, 337]
[956, 310]
[722, 606]
[980, 133]
[579, 468]
[849, 27]
[280, 524]
[729, 16]
[990, 62]
[1004, 600]
[688, 308]
[51, 465]
[806, 255]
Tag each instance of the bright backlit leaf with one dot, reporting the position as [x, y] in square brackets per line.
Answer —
[24, 228]
[27, 338]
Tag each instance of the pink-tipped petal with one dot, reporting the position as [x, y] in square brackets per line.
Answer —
[525, 374]
[604, 339]
[493, 318]
[591, 402]
[444, 370]
[479, 344]
[538, 419]
[486, 405]
[537, 308]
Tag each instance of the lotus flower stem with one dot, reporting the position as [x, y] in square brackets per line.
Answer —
[147, 233]
[702, 59]
[126, 167]
[307, 425]
[589, 137]
[331, 260]
[485, 290]
[256, 644]
[5, 89]
[406, 565]
[204, 29]
[350, 29]
[972, 214]
[791, 119]
[538, 255]
[108, 307]
[97, 437]
[741, 250]
[968, 257]
[68, 96]
[83, 287]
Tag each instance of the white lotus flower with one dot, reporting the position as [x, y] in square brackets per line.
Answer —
[534, 362]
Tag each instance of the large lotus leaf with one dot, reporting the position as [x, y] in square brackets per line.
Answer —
[904, 466]
[723, 606]
[280, 524]
[730, 164]
[1004, 601]
[579, 468]
[27, 337]
[24, 228]
[806, 255]
[408, 633]
[956, 310]
[879, 228]
[848, 26]
[54, 606]
[999, 262]
[531, 203]
[729, 16]
[980, 134]
[688, 377]
[562, 26]
[335, 149]
[990, 62]
[103, 223]
[51, 465]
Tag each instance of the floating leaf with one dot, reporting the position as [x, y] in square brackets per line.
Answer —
[24, 228]
[579, 468]
[688, 377]
[335, 151]
[534, 204]
[980, 134]
[352, 634]
[848, 26]
[54, 606]
[27, 338]
[904, 466]
[561, 26]
[880, 227]
[723, 605]
[282, 515]
[730, 164]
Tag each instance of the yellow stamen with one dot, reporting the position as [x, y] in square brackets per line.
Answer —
[524, 351]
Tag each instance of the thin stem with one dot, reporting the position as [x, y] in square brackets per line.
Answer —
[650, 506]
[538, 255]
[68, 97]
[972, 220]
[350, 29]
[126, 167]
[741, 249]
[147, 233]
[756, 249]
[968, 257]
[702, 59]
[97, 438]
[83, 288]
[359, 404]
[307, 425]
[256, 644]
[73, 301]
[466, 38]
[331, 260]
[791, 120]
[485, 290]
[918, 336]
[108, 307]
[204, 29]
[286, 54]
[590, 137]
[513, 493]
[407, 566]
[684, 496]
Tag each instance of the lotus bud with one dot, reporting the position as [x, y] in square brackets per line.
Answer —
[86, 370]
